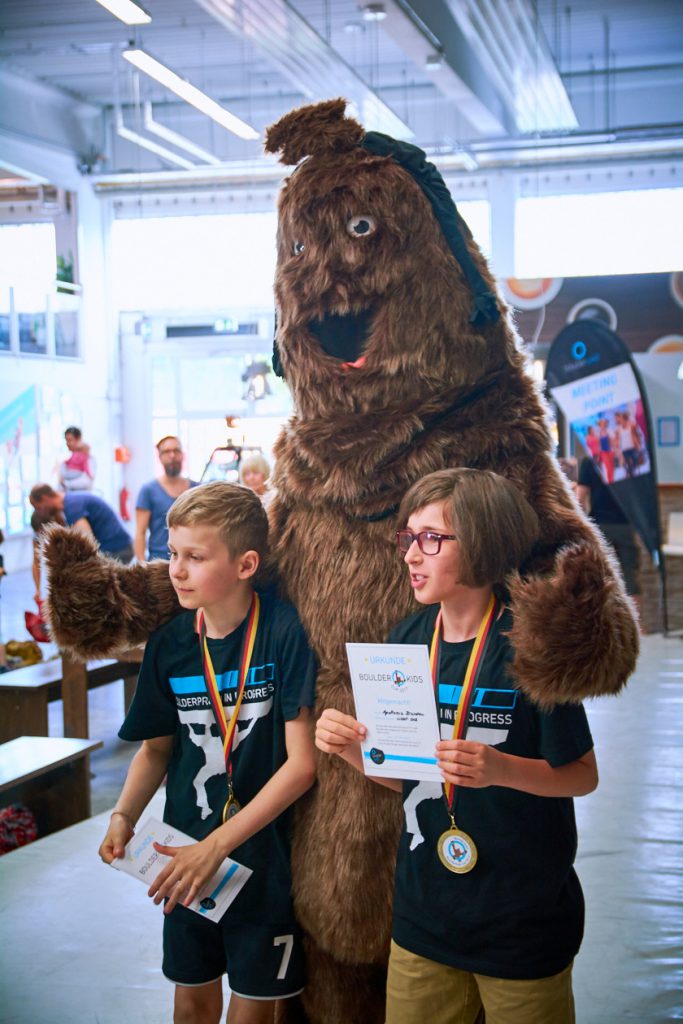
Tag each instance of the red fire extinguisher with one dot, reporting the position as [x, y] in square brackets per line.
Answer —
[124, 510]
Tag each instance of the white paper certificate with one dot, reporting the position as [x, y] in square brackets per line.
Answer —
[142, 861]
[392, 688]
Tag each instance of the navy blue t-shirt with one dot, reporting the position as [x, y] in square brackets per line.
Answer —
[171, 700]
[109, 533]
[519, 913]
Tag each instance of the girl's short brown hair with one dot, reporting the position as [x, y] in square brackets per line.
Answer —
[493, 521]
[235, 511]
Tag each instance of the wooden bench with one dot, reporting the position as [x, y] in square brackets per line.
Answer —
[26, 692]
[51, 776]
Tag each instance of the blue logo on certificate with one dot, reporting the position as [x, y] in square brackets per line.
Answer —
[376, 756]
[398, 680]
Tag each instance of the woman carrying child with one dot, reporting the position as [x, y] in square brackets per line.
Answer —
[488, 910]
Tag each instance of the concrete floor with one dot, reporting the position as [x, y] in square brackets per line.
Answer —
[80, 943]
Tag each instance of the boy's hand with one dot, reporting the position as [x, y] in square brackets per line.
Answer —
[189, 870]
[470, 764]
[119, 833]
[335, 731]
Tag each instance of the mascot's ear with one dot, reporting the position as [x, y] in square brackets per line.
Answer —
[319, 128]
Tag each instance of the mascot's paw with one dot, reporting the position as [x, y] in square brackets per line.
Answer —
[553, 663]
[97, 606]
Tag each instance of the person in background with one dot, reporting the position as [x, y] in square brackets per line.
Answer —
[254, 473]
[87, 513]
[78, 471]
[596, 498]
[155, 499]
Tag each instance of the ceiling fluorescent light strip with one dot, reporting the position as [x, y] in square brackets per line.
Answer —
[149, 144]
[175, 138]
[188, 92]
[126, 11]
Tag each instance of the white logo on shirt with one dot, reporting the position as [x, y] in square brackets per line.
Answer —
[199, 724]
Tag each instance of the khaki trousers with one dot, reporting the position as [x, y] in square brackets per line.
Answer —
[421, 991]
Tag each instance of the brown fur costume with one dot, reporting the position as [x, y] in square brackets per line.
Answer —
[359, 247]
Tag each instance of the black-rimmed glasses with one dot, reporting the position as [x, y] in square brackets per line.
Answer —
[428, 541]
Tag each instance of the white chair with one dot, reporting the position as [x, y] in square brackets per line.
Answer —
[674, 541]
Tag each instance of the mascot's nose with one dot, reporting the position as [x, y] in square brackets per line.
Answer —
[343, 336]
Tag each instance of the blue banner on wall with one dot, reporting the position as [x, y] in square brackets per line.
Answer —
[18, 417]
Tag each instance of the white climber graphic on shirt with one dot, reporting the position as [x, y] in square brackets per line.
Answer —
[199, 723]
[433, 790]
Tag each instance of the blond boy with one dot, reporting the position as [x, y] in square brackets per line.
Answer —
[217, 541]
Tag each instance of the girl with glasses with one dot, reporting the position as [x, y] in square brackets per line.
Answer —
[488, 910]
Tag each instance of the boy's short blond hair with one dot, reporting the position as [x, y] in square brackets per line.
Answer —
[235, 511]
[493, 521]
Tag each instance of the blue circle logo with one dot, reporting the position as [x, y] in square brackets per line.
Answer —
[377, 756]
[579, 350]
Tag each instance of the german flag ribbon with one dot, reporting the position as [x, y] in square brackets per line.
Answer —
[227, 727]
[471, 674]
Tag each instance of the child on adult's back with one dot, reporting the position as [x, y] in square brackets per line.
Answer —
[222, 708]
[488, 911]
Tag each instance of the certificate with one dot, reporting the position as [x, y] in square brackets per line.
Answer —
[142, 861]
[394, 695]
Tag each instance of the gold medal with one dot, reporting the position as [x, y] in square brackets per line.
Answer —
[457, 851]
[231, 808]
[232, 804]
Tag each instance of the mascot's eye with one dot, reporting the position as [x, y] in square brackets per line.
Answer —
[358, 227]
[298, 248]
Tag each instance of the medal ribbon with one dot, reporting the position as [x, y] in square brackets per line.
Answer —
[227, 728]
[471, 674]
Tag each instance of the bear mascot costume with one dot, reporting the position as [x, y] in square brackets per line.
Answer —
[401, 360]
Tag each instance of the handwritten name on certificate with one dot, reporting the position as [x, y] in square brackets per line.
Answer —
[142, 861]
[392, 688]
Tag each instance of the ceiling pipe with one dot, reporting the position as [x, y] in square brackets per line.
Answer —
[149, 144]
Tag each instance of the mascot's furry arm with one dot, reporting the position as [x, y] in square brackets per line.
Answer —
[94, 609]
[401, 361]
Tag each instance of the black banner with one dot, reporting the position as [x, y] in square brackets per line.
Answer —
[592, 377]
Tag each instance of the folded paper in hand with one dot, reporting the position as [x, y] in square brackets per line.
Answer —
[142, 861]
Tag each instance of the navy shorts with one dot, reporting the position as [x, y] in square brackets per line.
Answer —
[262, 961]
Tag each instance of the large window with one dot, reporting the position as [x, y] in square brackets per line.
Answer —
[192, 263]
[602, 233]
[477, 215]
[27, 266]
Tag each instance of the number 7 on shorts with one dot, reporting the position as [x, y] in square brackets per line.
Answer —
[288, 942]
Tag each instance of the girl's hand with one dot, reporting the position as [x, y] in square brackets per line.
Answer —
[470, 764]
[188, 871]
[335, 731]
[119, 833]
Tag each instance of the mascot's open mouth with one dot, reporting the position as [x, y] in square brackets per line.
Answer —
[343, 336]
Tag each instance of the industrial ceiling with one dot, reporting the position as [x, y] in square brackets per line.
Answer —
[479, 83]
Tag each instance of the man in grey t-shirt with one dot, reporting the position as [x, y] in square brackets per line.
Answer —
[155, 499]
